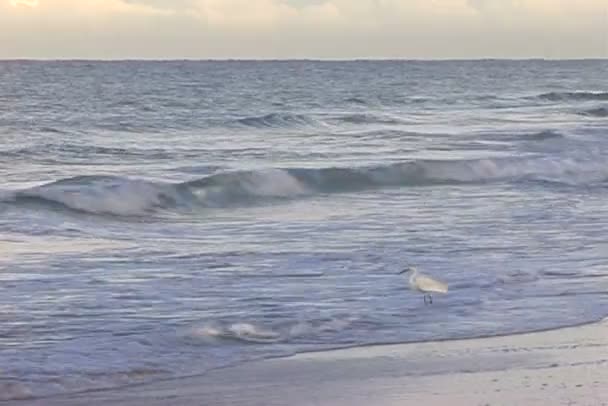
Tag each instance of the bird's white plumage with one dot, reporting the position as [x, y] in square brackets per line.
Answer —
[425, 284]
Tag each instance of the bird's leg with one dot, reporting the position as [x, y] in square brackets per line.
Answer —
[424, 298]
[430, 298]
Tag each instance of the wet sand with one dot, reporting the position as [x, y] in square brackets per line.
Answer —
[559, 367]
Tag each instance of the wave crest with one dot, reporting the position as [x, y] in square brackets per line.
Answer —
[121, 196]
[104, 195]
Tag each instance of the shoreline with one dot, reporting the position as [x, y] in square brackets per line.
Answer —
[559, 366]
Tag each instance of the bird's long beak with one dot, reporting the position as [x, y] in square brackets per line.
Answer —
[404, 271]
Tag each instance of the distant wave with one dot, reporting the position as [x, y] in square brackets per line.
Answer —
[596, 112]
[51, 130]
[516, 136]
[558, 96]
[121, 196]
[367, 118]
[288, 120]
[48, 151]
[355, 100]
[278, 120]
[543, 135]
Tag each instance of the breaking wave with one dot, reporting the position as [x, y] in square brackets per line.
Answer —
[122, 196]
[214, 332]
[238, 331]
[102, 195]
[558, 96]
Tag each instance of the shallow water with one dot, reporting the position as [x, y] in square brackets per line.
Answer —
[160, 219]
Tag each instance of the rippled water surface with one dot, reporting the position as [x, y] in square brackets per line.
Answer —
[160, 219]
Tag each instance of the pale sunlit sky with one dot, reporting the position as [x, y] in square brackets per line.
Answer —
[335, 29]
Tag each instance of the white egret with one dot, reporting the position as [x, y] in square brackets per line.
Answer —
[424, 284]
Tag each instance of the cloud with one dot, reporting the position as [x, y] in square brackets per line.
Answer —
[303, 28]
[489, 5]
[26, 3]
[165, 4]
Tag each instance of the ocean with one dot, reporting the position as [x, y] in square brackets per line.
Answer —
[163, 219]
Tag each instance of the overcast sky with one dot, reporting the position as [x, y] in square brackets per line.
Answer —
[427, 29]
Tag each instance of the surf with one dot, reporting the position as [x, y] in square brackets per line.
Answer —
[125, 196]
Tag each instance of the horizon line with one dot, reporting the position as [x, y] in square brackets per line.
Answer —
[304, 59]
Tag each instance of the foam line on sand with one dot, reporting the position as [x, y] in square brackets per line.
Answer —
[565, 366]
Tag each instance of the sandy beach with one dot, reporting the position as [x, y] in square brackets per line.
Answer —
[560, 367]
